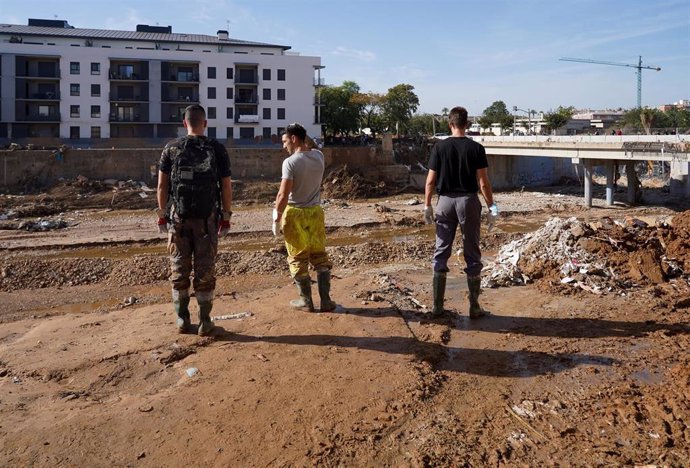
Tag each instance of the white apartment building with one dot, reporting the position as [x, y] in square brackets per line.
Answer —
[66, 82]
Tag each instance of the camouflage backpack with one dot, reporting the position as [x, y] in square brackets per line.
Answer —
[194, 176]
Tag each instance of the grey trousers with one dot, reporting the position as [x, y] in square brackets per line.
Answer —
[451, 211]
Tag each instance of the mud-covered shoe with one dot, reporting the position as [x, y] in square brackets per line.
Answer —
[439, 287]
[183, 322]
[304, 288]
[474, 284]
[323, 279]
[205, 322]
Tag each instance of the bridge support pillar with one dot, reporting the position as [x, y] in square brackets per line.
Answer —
[610, 178]
[587, 165]
[632, 181]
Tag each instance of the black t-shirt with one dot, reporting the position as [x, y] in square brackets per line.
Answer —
[169, 152]
[456, 161]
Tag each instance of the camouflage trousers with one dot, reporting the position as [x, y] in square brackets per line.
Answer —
[193, 245]
[305, 239]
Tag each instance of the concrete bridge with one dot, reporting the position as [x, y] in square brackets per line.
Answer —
[609, 151]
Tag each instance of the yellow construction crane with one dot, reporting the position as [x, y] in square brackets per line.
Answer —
[638, 67]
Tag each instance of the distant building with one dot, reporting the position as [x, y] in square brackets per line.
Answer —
[682, 104]
[66, 82]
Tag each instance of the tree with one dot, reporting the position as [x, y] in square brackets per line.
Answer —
[371, 111]
[341, 111]
[647, 118]
[399, 105]
[496, 113]
[558, 118]
[421, 124]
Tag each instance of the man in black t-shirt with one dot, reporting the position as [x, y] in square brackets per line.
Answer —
[457, 171]
[195, 172]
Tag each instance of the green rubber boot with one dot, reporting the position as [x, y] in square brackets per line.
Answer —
[439, 285]
[304, 288]
[205, 301]
[181, 305]
[323, 279]
[474, 284]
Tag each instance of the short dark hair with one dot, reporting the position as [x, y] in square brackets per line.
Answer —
[458, 117]
[296, 130]
[195, 115]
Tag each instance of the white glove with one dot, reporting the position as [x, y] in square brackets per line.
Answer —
[492, 215]
[275, 228]
[428, 215]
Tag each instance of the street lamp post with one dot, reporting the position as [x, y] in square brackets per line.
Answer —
[529, 118]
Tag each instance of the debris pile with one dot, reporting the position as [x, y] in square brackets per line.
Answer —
[346, 184]
[606, 256]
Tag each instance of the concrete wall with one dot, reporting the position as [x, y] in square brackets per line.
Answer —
[46, 166]
[507, 172]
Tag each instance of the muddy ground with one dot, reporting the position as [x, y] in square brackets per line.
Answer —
[583, 366]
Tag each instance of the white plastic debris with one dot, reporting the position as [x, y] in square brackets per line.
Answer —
[192, 371]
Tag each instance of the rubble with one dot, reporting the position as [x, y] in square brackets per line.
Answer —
[601, 257]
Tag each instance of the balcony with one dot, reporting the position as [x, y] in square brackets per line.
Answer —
[126, 119]
[114, 97]
[47, 96]
[172, 119]
[247, 118]
[250, 80]
[246, 100]
[193, 99]
[38, 75]
[319, 82]
[180, 77]
[39, 117]
[114, 76]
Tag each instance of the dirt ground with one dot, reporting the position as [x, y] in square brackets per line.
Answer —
[583, 361]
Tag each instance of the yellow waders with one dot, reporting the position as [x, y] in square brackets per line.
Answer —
[305, 239]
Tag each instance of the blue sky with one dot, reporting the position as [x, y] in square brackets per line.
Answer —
[458, 52]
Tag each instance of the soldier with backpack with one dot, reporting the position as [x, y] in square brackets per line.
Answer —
[194, 200]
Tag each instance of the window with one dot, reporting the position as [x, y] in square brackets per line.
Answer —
[74, 111]
[281, 113]
[211, 73]
[267, 113]
[95, 90]
[281, 74]
[212, 93]
[74, 89]
[95, 111]
[95, 68]
[267, 74]
[267, 94]
[280, 131]
[228, 73]
[229, 93]
[74, 132]
[74, 68]
[247, 132]
[230, 133]
[126, 71]
[211, 132]
[281, 94]
[44, 111]
[211, 114]
[95, 132]
[267, 133]
[229, 112]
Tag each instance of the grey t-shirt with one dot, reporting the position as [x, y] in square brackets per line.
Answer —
[305, 169]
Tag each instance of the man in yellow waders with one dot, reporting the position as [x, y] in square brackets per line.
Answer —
[298, 212]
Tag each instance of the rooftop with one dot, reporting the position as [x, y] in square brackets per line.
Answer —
[143, 33]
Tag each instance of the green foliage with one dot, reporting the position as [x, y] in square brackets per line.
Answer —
[399, 104]
[558, 118]
[496, 113]
[422, 124]
[645, 119]
[371, 111]
[341, 111]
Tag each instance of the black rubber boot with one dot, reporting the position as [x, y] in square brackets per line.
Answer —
[439, 284]
[323, 279]
[205, 322]
[474, 284]
[184, 324]
[304, 288]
